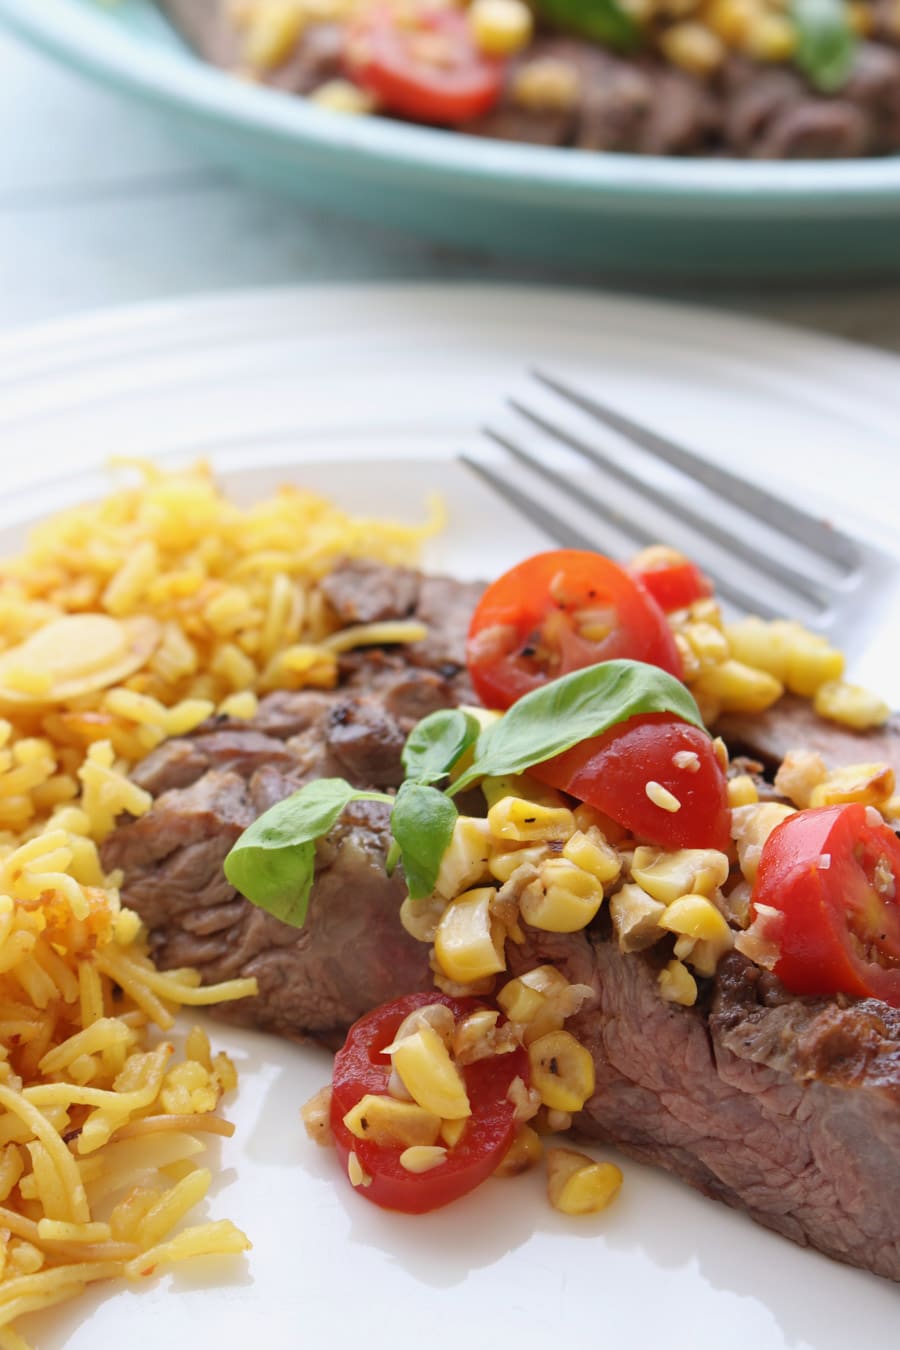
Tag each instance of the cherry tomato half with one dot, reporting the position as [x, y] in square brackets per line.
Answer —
[424, 65]
[558, 612]
[671, 578]
[360, 1067]
[612, 772]
[831, 873]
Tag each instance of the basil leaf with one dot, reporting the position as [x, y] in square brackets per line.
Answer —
[273, 862]
[826, 44]
[558, 715]
[422, 822]
[436, 743]
[600, 20]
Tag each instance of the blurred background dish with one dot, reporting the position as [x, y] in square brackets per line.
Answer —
[639, 213]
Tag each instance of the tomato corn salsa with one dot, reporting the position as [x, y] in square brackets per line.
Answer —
[603, 793]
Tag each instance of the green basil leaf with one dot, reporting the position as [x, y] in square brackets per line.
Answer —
[273, 862]
[422, 823]
[436, 743]
[558, 715]
[600, 20]
[826, 44]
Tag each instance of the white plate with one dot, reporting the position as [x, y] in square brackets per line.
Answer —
[367, 394]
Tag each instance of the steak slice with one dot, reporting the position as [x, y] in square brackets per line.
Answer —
[792, 723]
[785, 1107]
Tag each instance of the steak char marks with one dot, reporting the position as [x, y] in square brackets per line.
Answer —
[785, 1107]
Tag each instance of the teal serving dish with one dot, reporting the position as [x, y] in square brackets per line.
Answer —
[622, 215]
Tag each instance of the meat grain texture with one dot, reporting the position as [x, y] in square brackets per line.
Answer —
[785, 1107]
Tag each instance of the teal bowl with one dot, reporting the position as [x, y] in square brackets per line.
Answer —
[626, 215]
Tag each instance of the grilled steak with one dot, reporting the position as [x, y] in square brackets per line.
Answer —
[792, 723]
[788, 1108]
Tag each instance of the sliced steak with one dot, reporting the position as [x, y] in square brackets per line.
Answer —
[787, 1108]
[792, 723]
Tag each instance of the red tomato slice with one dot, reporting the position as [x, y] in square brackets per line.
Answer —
[831, 873]
[425, 67]
[360, 1068]
[671, 578]
[612, 771]
[558, 612]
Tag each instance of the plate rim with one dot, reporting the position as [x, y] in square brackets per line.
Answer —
[498, 171]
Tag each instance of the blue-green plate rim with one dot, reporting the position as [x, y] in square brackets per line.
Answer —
[496, 170]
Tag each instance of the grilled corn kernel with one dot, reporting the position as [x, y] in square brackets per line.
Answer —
[871, 784]
[562, 1071]
[422, 1157]
[565, 997]
[528, 822]
[342, 96]
[547, 84]
[697, 918]
[666, 876]
[771, 37]
[523, 1153]
[732, 19]
[496, 788]
[760, 644]
[420, 918]
[798, 774]
[526, 1100]
[532, 1011]
[478, 1036]
[429, 1074]
[677, 984]
[850, 704]
[635, 918]
[563, 899]
[503, 865]
[468, 944]
[466, 860]
[388, 1122]
[500, 27]
[811, 662]
[742, 791]
[435, 1015]
[578, 1185]
[737, 687]
[355, 1171]
[590, 851]
[751, 827]
[692, 47]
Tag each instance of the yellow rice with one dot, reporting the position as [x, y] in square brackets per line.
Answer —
[203, 606]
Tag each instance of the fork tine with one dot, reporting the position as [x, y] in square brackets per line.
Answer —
[816, 534]
[705, 526]
[565, 533]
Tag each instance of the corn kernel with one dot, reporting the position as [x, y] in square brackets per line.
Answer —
[751, 827]
[696, 917]
[870, 784]
[563, 899]
[274, 31]
[798, 774]
[742, 791]
[635, 918]
[389, 1123]
[547, 84]
[812, 661]
[342, 96]
[429, 1074]
[452, 1131]
[738, 687]
[732, 20]
[666, 876]
[677, 984]
[500, 27]
[590, 851]
[771, 37]
[578, 1185]
[528, 822]
[469, 942]
[503, 865]
[523, 1153]
[692, 47]
[708, 643]
[851, 705]
[316, 1117]
[496, 788]
[466, 860]
[356, 1172]
[562, 1071]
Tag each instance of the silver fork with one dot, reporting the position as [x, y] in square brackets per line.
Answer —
[765, 555]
